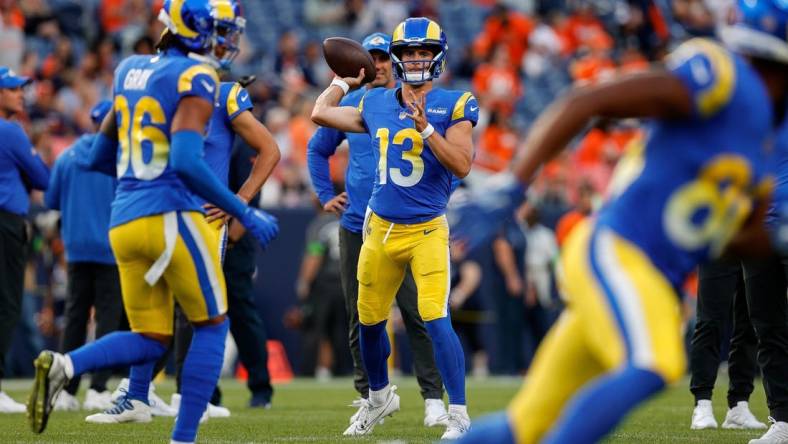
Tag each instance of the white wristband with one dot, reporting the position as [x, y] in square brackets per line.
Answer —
[427, 131]
[341, 84]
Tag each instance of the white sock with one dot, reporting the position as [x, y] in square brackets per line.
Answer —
[172, 441]
[704, 402]
[458, 409]
[68, 366]
[378, 397]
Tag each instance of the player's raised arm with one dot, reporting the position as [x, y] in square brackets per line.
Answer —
[658, 94]
[327, 111]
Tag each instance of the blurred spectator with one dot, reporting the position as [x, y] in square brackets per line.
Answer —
[319, 289]
[544, 46]
[290, 65]
[592, 66]
[497, 83]
[12, 43]
[497, 145]
[466, 309]
[381, 14]
[508, 298]
[504, 27]
[582, 29]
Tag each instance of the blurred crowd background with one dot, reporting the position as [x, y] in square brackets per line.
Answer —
[516, 56]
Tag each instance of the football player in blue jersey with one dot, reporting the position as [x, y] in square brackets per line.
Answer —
[351, 205]
[152, 141]
[421, 137]
[232, 116]
[698, 187]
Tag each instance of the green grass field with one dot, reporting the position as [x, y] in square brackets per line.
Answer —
[311, 412]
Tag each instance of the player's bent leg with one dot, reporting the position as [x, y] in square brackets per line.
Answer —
[563, 363]
[628, 293]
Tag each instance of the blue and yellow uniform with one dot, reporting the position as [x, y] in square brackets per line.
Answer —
[232, 101]
[676, 201]
[157, 225]
[406, 224]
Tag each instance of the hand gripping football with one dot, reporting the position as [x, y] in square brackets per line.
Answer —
[346, 57]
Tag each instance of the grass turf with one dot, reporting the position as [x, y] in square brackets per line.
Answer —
[311, 412]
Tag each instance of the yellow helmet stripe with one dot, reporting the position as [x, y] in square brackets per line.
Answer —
[399, 32]
[180, 27]
[433, 31]
[224, 10]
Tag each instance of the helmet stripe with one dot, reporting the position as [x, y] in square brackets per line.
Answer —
[224, 10]
[433, 31]
[399, 32]
[180, 26]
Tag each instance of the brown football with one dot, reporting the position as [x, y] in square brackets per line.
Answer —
[346, 57]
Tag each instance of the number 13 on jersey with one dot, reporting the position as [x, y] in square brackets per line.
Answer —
[412, 156]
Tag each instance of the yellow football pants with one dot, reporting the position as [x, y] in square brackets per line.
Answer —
[621, 311]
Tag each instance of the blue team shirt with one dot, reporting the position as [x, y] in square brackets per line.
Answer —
[233, 100]
[360, 173]
[147, 90]
[687, 191]
[411, 185]
[84, 221]
[21, 168]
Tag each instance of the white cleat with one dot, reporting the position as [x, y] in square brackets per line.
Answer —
[50, 380]
[777, 434]
[361, 404]
[703, 416]
[459, 423]
[370, 415]
[8, 405]
[175, 404]
[217, 411]
[97, 400]
[740, 417]
[66, 402]
[435, 413]
[158, 407]
[126, 410]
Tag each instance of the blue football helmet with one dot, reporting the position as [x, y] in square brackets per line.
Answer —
[418, 32]
[202, 26]
[760, 30]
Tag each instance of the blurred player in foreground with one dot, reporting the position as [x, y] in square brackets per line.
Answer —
[697, 188]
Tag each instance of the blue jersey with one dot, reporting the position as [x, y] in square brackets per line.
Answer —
[147, 91]
[411, 185]
[20, 168]
[689, 189]
[233, 100]
[360, 173]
